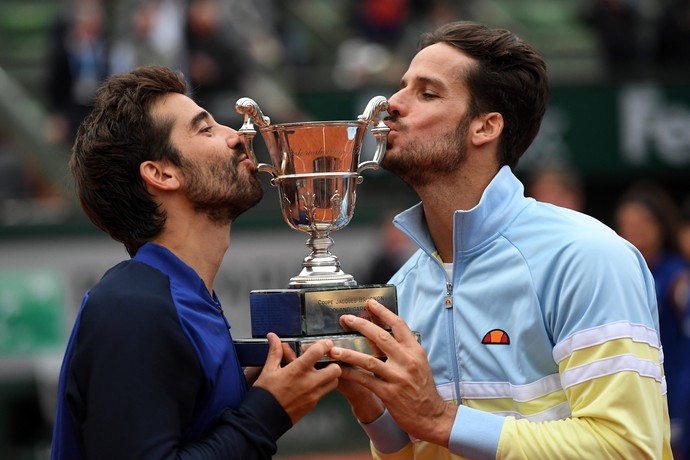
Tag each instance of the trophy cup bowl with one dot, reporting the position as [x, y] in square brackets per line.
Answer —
[316, 167]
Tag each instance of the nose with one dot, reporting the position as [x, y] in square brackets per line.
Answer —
[232, 137]
[394, 104]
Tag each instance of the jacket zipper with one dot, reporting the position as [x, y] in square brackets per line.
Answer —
[222, 314]
[448, 304]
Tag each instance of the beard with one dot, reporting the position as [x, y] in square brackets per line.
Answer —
[221, 190]
[423, 161]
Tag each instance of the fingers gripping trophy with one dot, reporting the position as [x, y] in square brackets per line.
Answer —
[316, 168]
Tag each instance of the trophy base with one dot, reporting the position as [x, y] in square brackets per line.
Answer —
[303, 316]
[253, 352]
[308, 312]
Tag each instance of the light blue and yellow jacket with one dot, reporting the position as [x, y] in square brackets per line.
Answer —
[545, 332]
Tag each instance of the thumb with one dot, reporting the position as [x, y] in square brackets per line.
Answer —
[275, 351]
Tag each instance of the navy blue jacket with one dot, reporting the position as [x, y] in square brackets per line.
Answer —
[150, 372]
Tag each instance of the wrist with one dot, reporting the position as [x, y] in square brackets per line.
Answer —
[367, 412]
[441, 426]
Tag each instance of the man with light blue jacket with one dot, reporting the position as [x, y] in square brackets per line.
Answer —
[539, 326]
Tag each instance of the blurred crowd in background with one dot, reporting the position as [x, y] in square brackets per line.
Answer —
[275, 50]
[647, 216]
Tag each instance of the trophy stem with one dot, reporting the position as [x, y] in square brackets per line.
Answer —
[321, 268]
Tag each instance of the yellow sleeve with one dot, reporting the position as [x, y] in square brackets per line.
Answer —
[618, 406]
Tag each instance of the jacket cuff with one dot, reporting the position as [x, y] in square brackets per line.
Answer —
[385, 434]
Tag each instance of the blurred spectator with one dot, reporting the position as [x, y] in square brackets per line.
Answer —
[20, 176]
[684, 239]
[217, 65]
[78, 63]
[382, 21]
[684, 230]
[13, 179]
[166, 33]
[394, 249]
[153, 35]
[557, 184]
[26, 193]
[623, 29]
[648, 218]
[672, 51]
[252, 29]
[382, 36]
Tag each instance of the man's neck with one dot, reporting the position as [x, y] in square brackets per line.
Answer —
[200, 244]
[461, 191]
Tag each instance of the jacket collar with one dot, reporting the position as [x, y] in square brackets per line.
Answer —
[502, 200]
[164, 260]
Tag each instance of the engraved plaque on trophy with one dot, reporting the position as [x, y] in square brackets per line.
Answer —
[316, 168]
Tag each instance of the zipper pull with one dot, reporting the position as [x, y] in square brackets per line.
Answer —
[222, 313]
[449, 295]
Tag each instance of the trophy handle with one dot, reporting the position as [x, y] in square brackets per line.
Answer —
[250, 109]
[376, 105]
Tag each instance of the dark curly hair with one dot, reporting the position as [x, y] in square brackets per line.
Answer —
[113, 140]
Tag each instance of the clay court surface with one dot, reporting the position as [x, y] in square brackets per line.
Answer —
[330, 456]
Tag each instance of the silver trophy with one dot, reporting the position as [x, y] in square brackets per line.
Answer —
[316, 168]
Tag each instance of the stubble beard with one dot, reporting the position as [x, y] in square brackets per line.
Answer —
[222, 191]
[421, 162]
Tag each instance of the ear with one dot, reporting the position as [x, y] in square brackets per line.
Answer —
[159, 175]
[486, 128]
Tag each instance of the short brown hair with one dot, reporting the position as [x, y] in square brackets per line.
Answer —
[113, 140]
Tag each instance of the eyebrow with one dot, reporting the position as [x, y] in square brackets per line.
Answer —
[198, 118]
[425, 80]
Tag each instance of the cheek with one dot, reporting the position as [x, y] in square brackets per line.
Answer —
[417, 133]
[437, 126]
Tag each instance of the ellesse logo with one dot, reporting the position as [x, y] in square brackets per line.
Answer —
[496, 337]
